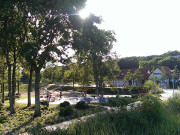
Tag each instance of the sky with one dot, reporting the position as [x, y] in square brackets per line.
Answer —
[142, 27]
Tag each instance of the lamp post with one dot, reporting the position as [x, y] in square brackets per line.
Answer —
[172, 71]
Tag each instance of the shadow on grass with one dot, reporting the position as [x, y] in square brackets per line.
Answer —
[18, 128]
[26, 122]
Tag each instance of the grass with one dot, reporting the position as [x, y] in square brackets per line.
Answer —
[140, 121]
[23, 119]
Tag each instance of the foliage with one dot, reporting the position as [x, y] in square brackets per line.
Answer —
[153, 83]
[151, 63]
[53, 74]
[137, 75]
[66, 111]
[153, 108]
[94, 46]
[149, 85]
[129, 62]
[137, 89]
[132, 122]
[173, 104]
[170, 62]
[129, 76]
[45, 103]
[114, 91]
[119, 101]
[81, 105]
[112, 68]
[64, 104]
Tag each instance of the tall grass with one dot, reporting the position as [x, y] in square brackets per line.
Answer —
[151, 118]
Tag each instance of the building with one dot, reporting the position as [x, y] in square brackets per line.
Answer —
[119, 81]
[162, 75]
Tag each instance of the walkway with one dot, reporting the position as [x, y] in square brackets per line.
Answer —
[74, 100]
[168, 93]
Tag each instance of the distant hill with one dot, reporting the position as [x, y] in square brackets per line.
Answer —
[170, 59]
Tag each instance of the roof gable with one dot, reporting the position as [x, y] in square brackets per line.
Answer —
[144, 71]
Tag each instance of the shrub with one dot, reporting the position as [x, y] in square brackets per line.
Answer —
[173, 104]
[45, 103]
[81, 105]
[3, 119]
[64, 104]
[136, 89]
[152, 108]
[119, 101]
[67, 111]
[134, 95]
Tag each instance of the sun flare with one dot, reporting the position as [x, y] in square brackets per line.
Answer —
[84, 14]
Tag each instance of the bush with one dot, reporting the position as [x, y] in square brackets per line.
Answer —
[64, 104]
[45, 103]
[136, 89]
[114, 90]
[3, 119]
[152, 108]
[173, 104]
[134, 95]
[81, 105]
[67, 111]
[119, 101]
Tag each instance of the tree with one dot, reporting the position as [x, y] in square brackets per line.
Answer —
[94, 44]
[154, 84]
[128, 77]
[112, 68]
[53, 74]
[163, 76]
[49, 32]
[72, 73]
[151, 63]
[129, 62]
[137, 76]
[170, 62]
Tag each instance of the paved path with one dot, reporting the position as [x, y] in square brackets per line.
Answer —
[66, 124]
[74, 100]
[168, 93]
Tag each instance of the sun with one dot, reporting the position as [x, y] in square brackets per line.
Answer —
[84, 14]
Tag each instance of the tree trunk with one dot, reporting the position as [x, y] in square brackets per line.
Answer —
[37, 100]
[96, 80]
[30, 87]
[18, 87]
[2, 88]
[95, 74]
[9, 88]
[73, 83]
[2, 84]
[14, 80]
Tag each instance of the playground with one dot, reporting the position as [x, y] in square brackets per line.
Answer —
[71, 96]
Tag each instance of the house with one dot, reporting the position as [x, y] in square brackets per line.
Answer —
[119, 81]
[162, 75]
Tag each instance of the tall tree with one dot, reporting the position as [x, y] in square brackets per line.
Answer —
[50, 31]
[94, 43]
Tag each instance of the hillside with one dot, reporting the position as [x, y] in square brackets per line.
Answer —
[170, 59]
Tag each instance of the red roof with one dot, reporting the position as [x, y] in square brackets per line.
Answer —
[144, 71]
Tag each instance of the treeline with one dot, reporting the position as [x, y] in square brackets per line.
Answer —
[170, 59]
